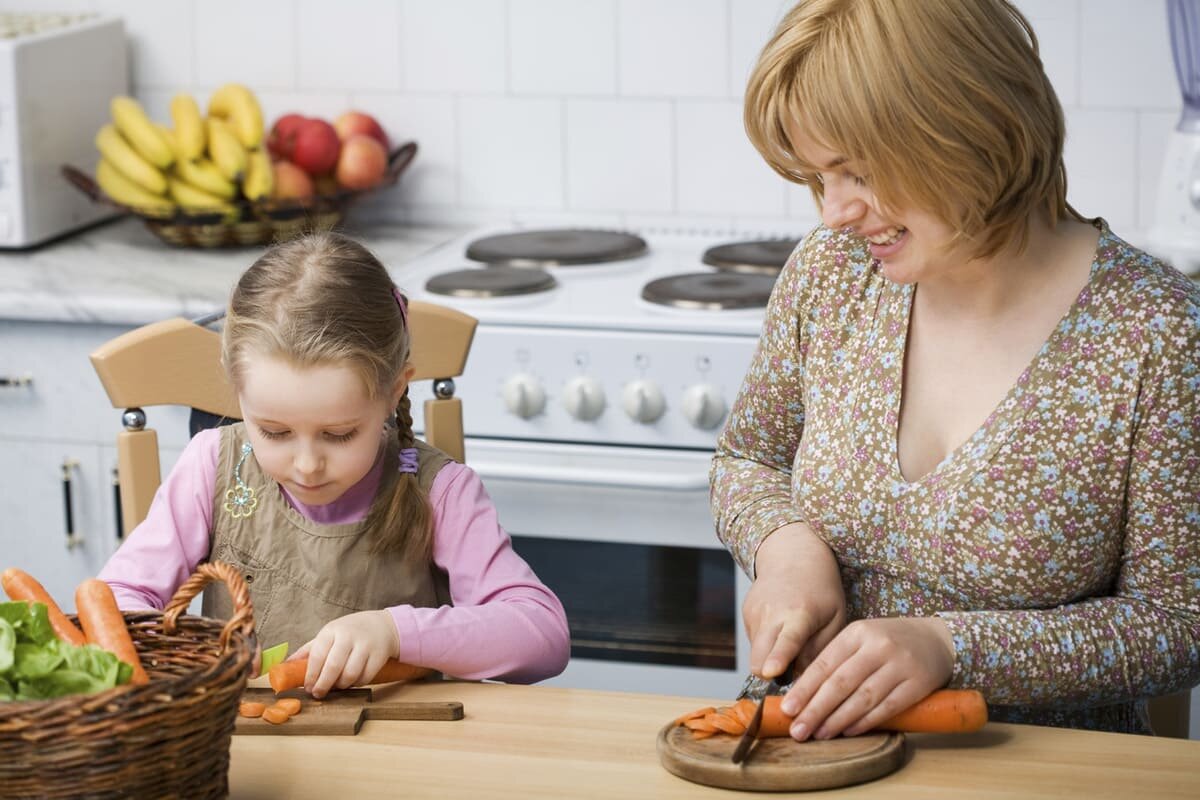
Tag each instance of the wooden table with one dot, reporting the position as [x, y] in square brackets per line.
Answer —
[541, 742]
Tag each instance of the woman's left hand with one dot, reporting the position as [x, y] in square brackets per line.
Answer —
[871, 671]
[348, 650]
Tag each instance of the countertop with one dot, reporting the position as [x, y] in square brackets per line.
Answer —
[525, 742]
[119, 273]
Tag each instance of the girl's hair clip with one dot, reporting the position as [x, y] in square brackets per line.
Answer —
[403, 303]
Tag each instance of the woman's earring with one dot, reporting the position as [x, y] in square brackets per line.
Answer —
[240, 501]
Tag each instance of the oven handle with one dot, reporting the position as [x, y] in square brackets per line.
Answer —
[583, 476]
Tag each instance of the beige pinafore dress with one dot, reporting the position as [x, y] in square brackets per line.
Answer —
[303, 574]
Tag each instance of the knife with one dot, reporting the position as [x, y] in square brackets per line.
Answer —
[760, 688]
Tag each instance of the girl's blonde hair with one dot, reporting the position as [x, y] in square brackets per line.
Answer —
[944, 103]
[324, 299]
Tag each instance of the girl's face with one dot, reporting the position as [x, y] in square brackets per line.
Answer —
[313, 429]
[910, 244]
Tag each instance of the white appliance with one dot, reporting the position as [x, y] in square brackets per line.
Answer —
[57, 75]
[1175, 234]
[591, 414]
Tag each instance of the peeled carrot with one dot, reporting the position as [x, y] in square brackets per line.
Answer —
[289, 704]
[20, 585]
[276, 715]
[290, 674]
[251, 708]
[943, 711]
[105, 625]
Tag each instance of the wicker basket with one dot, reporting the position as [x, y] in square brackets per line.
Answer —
[166, 738]
[262, 222]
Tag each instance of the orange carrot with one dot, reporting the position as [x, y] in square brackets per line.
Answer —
[290, 674]
[943, 711]
[105, 625]
[289, 704]
[276, 715]
[19, 585]
[251, 708]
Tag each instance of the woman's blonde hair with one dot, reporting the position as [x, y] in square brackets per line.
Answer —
[324, 299]
[943, 102]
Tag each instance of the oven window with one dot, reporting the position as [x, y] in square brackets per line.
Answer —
[638, 603]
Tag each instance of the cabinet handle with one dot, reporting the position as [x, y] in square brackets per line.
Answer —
[73, 540]
[120, 520]
[15, 381]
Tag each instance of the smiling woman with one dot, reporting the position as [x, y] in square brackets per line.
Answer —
[965, 452]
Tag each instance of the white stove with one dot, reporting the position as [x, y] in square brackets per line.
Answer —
[591, 415]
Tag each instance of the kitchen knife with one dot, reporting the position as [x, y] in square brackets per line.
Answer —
[272, 656]
[759, 689]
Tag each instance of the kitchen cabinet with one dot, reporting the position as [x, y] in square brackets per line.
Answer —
[58, 452]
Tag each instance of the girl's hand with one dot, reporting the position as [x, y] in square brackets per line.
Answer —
[348, 650]
[795, 605]
[871, 671]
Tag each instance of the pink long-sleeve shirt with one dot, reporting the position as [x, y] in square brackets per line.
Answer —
[504, 623]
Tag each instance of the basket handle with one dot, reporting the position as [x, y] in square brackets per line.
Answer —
[243, 613]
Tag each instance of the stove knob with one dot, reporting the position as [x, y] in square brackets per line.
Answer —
[644, 401]
[523, 395]
[584, 398]
[703, 406]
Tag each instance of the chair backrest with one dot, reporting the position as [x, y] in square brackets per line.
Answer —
[177, 362]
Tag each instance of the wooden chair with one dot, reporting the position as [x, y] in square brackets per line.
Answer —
[177, 362]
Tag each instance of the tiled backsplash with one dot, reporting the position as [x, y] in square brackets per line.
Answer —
[611, 111]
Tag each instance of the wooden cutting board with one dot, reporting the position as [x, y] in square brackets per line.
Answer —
[780, 764]
[339, 713]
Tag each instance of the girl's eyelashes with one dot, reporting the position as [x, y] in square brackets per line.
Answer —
[332, 437]
[342, 437]
[272, 434]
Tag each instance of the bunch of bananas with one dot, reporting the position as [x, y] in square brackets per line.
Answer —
[203, 163]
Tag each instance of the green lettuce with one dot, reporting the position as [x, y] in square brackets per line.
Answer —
[36, 665]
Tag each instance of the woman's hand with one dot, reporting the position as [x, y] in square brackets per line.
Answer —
[795, 605]
[873, 670]
[349, 650]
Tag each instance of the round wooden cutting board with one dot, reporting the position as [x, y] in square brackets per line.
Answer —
[780, 764]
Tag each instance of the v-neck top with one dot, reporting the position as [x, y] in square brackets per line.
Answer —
[1060, 542]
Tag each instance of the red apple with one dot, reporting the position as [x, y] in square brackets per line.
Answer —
[282, 139]
[291, 182]
[353, 122]
[317, 147]
[362, 162]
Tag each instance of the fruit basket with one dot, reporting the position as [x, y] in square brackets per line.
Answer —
[166, 738]
[258, 223]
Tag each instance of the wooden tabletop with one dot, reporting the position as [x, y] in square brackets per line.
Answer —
[541, 742]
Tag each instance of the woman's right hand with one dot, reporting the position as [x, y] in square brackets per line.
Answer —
[796, 605]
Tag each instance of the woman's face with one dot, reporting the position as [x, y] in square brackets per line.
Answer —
[910, 244]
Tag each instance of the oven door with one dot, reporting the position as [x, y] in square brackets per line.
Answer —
[625, 538]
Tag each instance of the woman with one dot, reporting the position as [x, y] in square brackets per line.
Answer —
[972, 427]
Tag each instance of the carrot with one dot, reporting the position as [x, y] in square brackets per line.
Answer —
[276, 715]
[943, 711]
[20, 585]
[289, 704]
[251, 708]
[290, 674]
[105, 625]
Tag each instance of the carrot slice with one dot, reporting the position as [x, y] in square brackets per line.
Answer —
[727, 724]
[20, 585]
[251, 708]
[275, 715]
[104, 625]
[289, 704]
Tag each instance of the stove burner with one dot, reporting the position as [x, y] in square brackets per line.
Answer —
[554, 248]
[766, 257]
[711, 290]
[491, 282]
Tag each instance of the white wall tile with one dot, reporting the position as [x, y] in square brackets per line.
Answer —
[251, 43]
[563, 46]
[1056, 23]
[620, 155]
[326, 104]
[432, 178]
[1100, 155]
[454, 45]
[674, 47]
[1126, 55]
[161, 44]
[719, 170]
[800, 205]
[751, 24]
[510, 152]
[350, 44]
[1154, 129]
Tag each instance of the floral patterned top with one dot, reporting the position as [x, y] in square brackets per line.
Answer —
[1060, 543]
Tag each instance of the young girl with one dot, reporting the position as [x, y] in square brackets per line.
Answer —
[356, 540]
